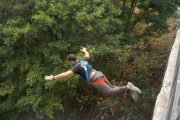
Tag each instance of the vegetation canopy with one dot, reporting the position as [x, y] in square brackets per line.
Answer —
[37, 35]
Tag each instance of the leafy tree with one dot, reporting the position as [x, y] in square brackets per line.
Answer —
[37, 35]
[152, 12]
[177, 2]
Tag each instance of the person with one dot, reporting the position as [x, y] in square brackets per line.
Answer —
[94, 78]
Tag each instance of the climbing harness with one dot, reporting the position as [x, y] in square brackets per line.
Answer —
[85, 66]
[90, 77]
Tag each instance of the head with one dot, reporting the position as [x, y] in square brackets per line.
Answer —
[72, 59]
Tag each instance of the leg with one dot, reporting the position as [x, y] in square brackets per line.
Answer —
[128, 87]
[107, 82]
[107, 90]
[134, 91]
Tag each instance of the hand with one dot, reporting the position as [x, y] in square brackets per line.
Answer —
[49, 77]
[83, 49]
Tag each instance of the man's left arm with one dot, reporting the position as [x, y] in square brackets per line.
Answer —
[60, 76]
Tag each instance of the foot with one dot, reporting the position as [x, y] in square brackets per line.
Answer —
[133, 88]
[134, 91]
[135, 96]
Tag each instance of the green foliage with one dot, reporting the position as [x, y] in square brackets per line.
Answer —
[177, 2]
[37, 35]
[35, 38]
[6, 88]
[152, 12]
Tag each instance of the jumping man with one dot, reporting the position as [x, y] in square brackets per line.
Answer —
[94, 78]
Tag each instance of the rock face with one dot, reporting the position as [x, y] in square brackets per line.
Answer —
[168, 100]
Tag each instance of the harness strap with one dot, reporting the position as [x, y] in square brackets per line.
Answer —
[91, 76]
[85, 65]
[99, 81]
[86, 72]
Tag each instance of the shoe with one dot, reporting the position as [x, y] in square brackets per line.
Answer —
[134, 91]
[135, 96]
[133, 88]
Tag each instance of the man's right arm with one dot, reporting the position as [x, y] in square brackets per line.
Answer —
[59, 76]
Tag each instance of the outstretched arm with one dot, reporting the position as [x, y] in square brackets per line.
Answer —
[59, 76]
[85, 51]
